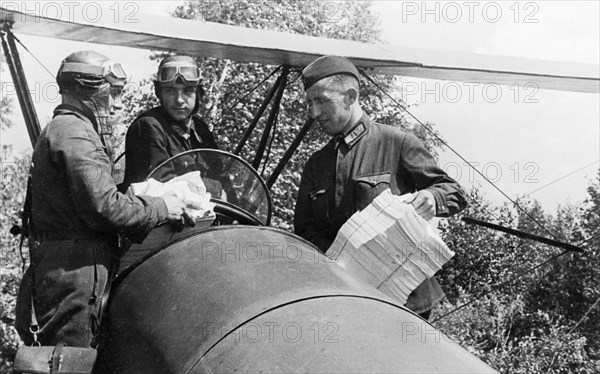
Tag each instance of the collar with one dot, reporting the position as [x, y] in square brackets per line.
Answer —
[354, 135]
[63, 109]
[181, 129]
[187, 132]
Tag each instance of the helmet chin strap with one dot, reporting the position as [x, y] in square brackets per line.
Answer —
[98, 104]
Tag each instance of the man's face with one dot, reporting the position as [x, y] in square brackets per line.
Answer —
[328, 107]
[179, 100]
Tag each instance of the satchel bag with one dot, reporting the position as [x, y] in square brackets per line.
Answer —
[58, 358]
[55, 359]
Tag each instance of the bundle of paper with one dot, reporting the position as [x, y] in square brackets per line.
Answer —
[188, 187]
[388, 245]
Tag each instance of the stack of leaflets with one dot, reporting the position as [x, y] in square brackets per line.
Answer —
[389, 246]
[188, 187]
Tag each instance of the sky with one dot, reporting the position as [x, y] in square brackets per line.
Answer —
[540, 142]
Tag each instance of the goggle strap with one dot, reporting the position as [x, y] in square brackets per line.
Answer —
[81, 68]
[77, 67]
[177, 71]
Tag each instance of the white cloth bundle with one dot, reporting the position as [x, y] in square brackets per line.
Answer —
[391, 247]
[188, 187]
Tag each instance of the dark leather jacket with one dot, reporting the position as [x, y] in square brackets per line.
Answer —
[154, 137]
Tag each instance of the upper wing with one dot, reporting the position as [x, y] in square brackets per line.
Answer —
[207, 39]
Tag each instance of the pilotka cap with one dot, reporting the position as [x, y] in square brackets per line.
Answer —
[327, 66]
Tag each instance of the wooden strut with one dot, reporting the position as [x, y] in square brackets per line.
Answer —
[22, 89]
[524, 235]
[257, 117]
[289, 152]
[281, 83]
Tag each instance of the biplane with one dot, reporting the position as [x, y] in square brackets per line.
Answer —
[241, 295]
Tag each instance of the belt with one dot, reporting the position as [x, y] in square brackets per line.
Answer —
[46, 236]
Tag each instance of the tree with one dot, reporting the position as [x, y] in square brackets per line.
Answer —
[5, 101]
[225, 82]
[12, 183]
[547, 320]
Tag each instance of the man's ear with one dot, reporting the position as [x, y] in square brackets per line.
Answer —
[351, 96]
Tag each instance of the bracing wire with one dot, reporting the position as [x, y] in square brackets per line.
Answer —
[519, 276]
[230, 108]
[456, 153]
[35, 58]
[226, 111]
[501, 284]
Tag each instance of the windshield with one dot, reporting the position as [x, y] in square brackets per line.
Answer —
[227, 178]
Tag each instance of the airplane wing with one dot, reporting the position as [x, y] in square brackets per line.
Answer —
[207, 39]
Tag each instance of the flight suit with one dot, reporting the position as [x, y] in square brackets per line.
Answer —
[76, 216]
[352, 169]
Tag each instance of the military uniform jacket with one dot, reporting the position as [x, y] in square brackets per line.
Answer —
[154, 137]
[351, 170]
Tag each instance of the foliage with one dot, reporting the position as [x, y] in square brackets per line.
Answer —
[229, 111]
[546, 321]
[524, 319]
[486, 329]
[524, 326]
[5, 101]
[13, 186]
[228, 81]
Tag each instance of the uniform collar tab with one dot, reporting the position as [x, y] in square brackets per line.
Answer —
[352, 136]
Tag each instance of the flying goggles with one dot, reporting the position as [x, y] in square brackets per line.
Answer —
[111, 71]
[170, 71]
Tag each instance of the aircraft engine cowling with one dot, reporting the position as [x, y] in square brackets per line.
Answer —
[258, 299]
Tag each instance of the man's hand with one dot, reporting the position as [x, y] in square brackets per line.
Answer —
[424, 204]
[178, 216]
[175, 206]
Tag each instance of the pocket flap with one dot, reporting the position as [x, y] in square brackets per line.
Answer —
[375, 179]
[316, 194]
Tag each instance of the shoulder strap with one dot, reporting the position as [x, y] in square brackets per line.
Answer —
[100, 304]
[26, 223]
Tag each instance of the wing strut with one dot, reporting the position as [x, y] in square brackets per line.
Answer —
[280, 84]
[256, 118]
[18, 76]
[524, 235]
[289, 152]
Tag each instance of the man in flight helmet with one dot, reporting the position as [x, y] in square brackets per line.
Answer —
[75, 210]
[171, 128]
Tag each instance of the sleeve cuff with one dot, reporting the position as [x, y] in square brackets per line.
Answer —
[162, 213]
[441, 209]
